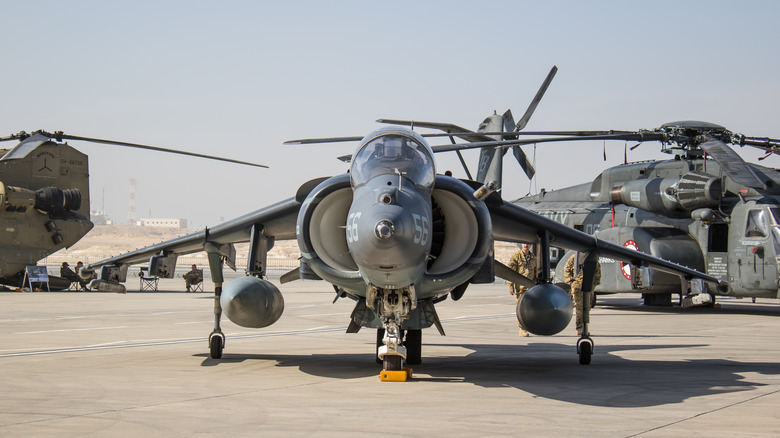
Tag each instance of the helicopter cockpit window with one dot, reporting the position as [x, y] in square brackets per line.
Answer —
[756, 224]
[393, 154]
[775, 213]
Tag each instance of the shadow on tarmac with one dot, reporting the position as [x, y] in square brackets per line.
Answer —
[551, 371]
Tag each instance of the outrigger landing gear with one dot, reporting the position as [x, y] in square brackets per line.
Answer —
[217, 338]
[585, 342]
[585, 348]
[216, 344]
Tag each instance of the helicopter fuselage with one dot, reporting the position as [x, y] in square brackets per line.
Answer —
[684, 210]
[44, 203]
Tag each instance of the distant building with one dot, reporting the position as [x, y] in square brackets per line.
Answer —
[100, 218]
[168, 223]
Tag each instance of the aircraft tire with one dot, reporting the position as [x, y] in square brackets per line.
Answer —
[413, 343]
[380, 334]
[215, 347]
[661, 300]
[586, 352]
[393, 363]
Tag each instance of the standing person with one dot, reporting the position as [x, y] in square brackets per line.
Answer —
[194, 276]
[524, 263]
[574, 279]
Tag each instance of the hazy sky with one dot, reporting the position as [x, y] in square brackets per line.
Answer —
[237, 78]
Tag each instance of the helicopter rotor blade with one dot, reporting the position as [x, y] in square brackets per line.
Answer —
[731, 163]
[153, 148]
[522, 159]
[535, 101]
[765, 143]
[21, 135]
[509, 121]
[525, 163]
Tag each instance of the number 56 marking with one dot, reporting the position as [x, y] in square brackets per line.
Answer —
[352, 227]
[421, 229]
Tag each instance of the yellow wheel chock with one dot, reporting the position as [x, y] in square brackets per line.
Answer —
[395, 376]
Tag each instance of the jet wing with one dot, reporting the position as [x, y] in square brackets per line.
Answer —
[512, 223]
[277, 221]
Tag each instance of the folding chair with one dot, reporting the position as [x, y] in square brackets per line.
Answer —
[74, 286]
[194, 287]
[147, 282]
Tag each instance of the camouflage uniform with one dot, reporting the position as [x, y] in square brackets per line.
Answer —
[576, 287]
[193, 277]
[525, 265]
[68, 274]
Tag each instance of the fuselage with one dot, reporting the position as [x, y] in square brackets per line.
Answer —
[729, 231]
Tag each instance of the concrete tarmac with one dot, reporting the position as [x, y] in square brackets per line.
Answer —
[102, 364]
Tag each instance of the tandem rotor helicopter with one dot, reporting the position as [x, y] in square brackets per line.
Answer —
[44, 199]
[706, 208]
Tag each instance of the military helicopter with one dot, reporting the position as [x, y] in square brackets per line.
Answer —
[44, 199]
[706, 209]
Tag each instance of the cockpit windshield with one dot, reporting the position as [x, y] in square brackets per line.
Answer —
[393, 154]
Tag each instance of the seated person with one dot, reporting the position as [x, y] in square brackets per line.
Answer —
[194, 276]
[79, 266]
[68, 274]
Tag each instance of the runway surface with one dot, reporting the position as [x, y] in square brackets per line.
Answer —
[101, 364]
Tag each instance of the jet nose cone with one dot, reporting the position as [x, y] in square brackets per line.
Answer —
[384, 229]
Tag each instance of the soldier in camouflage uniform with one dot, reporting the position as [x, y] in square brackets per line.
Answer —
[523, 262]
[576, 285]
[193, 277]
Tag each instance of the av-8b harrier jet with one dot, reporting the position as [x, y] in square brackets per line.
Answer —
[396, 237]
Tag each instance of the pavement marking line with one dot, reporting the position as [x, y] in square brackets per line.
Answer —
[99, 315]
[107, 343]
[477, 318]
[110, 346]
[71, 330]
[701, 414]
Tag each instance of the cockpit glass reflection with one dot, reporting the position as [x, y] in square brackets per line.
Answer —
[393, 154]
